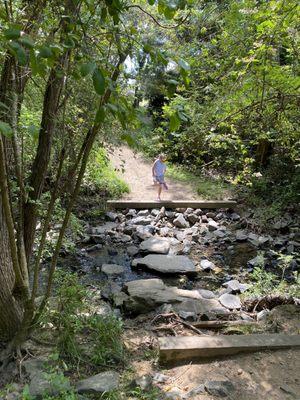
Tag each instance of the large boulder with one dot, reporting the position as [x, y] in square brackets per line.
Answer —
[100, 383]
[148, 294]
[166, 264]
[155, 245]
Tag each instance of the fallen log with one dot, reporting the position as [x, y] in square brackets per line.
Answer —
[172, 349]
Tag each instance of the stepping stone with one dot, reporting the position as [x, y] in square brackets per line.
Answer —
[177, 348]
[166, 264]
[148, 294]
[230, 301]
[112, 269]
[155, 245]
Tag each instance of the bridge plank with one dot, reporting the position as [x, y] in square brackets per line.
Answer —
[209, 204]
[172, 349]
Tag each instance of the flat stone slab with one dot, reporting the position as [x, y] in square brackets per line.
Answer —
[100, 383]
[166, 264]
[123, 204]
[190, 347]
[155, 245]
[112, 269]
[147, 294]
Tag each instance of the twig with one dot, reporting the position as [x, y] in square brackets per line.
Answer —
[156, 21]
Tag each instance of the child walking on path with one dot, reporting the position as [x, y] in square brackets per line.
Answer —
[158, 173]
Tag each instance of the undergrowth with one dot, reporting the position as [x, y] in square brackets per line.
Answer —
[205, 186]
[101, 177]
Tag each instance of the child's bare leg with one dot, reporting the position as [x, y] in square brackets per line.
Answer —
[159, 191]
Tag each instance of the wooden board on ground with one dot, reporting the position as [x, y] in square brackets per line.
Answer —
[179, 348]
[211, 204]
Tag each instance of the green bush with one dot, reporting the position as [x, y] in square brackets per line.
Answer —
[100, 176]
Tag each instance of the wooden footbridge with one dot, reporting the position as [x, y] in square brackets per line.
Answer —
[205, 204]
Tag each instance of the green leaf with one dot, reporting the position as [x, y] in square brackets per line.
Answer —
[6, 129]
[26, 41]
[151, 2]
[45, 52]
[174, 122]
[12, 33]
[33, 131]
[99, 81]
[169, 13]
[100, 116]
[172, 82]
[19, 52]
[128, 139]
[87, 68]
[69, 43]
[183, 64]
[112, 107]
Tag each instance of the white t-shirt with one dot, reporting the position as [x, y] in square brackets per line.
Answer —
[159, 168]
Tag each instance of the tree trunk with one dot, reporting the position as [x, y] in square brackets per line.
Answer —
[10, 309]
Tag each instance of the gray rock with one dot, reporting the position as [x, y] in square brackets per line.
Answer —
[160, 378]
[103, 309]
[40, 386]
[167, 264]
[258, 261]
[234, 217]
[235, 286]
[189, 210]
[175, 394]
[211, 214]
[131, 213]
[212, 225]
[207, 265]
[262, 315]
[208, 307]
[219, 388]
[111, 216]
[144, 382]
[193, 218]
[207, 294]
[148, 294]
[100, 383]
[230, 301]
[170, 214]
[132, 250]
[123, 238]
[181, 222]
[198, 211]
[141, 221]
[219, 233]
[143, 213]
[154, 212]
[112, 269]
[241, 236]
[195, 391]
[101, 229]
[144, 232]
[164, 231]
[155, 245]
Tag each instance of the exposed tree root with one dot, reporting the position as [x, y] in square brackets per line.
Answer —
[267, 302]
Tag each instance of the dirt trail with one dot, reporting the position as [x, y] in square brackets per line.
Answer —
[136, 172]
